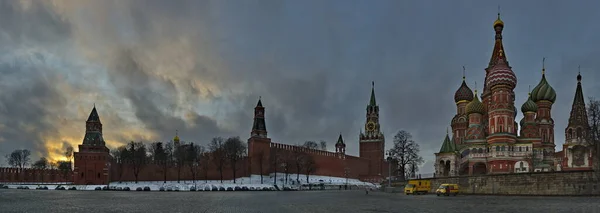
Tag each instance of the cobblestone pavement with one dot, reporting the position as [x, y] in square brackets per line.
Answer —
[308, 201]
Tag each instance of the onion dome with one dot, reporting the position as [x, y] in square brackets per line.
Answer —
[475, 106]
[543, 91]
[529, 105]
[501, 74]
[176, 138]
[498, 22]
[464, 93]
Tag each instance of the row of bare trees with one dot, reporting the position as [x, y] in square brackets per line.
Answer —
[21, 158]
[222, 153]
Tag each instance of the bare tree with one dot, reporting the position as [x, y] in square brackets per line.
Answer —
[69, 155]
[193, 158]
[179, 152]
[218, 154]
[205, 158]
[323, 145]
[235, 151]
[64, 168]
[138, 157]
[310, 145]
[159, 157]
[120, 155]
[42, 165]
[593, 112]
[298, 155]
[310, 166]
[19, 158]
[405, 151]
[260, 158]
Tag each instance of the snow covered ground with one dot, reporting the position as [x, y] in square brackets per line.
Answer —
[251, 183]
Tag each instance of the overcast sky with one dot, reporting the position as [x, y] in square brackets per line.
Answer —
[153, 67]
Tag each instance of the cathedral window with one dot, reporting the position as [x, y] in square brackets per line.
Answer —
[497, 148]
[579, 132]
[570, 134]
[502, 148]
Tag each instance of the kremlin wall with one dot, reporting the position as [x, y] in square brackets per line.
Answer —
[93, 164]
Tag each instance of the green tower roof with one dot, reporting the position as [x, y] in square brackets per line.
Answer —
[447, 146]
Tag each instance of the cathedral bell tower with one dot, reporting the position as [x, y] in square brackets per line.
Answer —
[372, 141]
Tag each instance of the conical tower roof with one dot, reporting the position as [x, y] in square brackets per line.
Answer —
[447, 145]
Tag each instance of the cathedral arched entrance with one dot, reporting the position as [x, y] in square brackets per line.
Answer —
[479, 168]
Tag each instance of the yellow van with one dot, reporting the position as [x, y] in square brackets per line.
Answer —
[447, 189]
[417, 187]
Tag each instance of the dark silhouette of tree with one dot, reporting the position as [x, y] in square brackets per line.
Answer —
[323, 145]
[405, 151]
[260, 158]
[205, 158]
[19, 158]
[41, 165]
[179, 152]
[593, 112]
[310, 166]
[64, 168]
[120, 156]
[310, 145]
[218, 154]
[193, 158]
[158, 155]
[235, 151]
[69, 155]
[138, 157]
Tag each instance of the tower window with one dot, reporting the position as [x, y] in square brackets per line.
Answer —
[579, 132]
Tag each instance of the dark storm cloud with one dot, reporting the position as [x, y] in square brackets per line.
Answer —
[27, 91]
[311, 61]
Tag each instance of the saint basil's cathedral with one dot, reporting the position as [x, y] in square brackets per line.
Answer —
[486, 138]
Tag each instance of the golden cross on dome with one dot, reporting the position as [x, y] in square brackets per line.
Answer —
[463, 73]
[529, 90]
[476, 88]
[579, 70]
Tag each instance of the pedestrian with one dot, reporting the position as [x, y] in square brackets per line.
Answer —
[366, 190]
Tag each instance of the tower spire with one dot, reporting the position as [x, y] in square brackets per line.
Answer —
[578, 117]
[373, 102]
[498, 53]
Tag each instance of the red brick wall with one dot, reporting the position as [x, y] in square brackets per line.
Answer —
[8, 175]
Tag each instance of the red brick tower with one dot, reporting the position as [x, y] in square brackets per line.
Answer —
[372, 141]
[499, 98]
[92, 160]
[259, 144]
